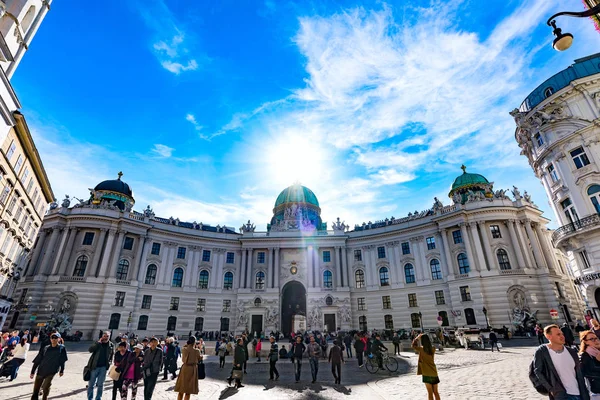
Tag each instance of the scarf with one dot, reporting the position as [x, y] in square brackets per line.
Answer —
[592, 351]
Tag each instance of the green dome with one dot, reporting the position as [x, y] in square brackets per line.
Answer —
[296, 194]
[467, 180]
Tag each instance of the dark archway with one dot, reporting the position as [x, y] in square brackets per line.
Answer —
[293, 302]
[597, 297]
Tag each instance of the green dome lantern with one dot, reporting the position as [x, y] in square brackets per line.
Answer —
[467, 182]
[296, 194]
[296, 207]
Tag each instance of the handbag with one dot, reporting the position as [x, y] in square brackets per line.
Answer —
[201, 370]
[237, 374]
[113, 374]
[87, 374]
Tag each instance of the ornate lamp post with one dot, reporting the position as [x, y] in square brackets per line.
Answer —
[563, 41]
[487, 322]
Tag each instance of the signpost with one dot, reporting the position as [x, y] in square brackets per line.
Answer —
[553, 314]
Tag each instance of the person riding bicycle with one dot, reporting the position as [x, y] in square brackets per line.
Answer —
[376, 348]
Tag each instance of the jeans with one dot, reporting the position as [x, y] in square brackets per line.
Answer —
[336, 367]
[348, 351]
[116, 388]
[273, 369]
[314, 367]
[16, 363]
[359, 356]
[221, 362]
[572, 397]
[149, 384]
[97, 377]
[495, 344]
[396, 348]
[43, 382]
[297, 368]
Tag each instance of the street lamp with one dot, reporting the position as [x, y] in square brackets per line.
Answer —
[421, 320]
[487, 322]
[563, 41]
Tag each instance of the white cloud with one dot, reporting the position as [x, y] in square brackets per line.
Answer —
[192, 120]
[176, 67]
[163, 150]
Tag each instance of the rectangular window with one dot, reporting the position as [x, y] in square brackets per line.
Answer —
[146, 302]
[552, 173]
[23, 297]
[4, 195]
[326, 256]
[88, 238]
[19, 212]
[580, 158]
[174, 305]
[381, 252]
[30, 185]
[415, 320]
[405, 248]
[465, 294]
[389, 321]
[412, 300]
[19, 164]
[155, 249]
[128, 243]
[585, 261]
[181, 252]
[11, 150]
[11, 206]
[362, 306]
[205, 255]
[119, 299]
[495, 229]
[25, 175]
[226, 305]
[387, 302]
[439, 297]
[260, 257]
[430, 243]
[457, 236]
[201, 305]
[357, 255]
[539, 140]
[559, 290]
[230, 258]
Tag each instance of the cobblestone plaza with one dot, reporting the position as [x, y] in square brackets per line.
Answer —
[464, 374]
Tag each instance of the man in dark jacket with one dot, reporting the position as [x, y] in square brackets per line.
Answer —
[170, 359]
[558, 369]
[153, 360]
[48, 362]
[336, 357]
[298, 350]
[245, 343]
[359, 346]
[273, 373]
[376, 348]
[348, 343]
[102, 354]
[569, 338]
[396, 342]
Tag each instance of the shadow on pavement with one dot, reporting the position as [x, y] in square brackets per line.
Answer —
[228, 392]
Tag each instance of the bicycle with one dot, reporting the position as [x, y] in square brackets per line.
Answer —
[390, 363]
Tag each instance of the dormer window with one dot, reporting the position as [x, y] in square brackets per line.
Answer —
[539, 140]
[549, 91]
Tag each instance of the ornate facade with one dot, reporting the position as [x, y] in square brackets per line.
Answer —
[99, 264]
[558, 130]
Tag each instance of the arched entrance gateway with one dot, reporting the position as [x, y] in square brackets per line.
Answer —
[293, 307]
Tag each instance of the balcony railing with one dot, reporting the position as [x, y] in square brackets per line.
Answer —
[72, 279]
[511, 272]
[123, 282]
[586, 222]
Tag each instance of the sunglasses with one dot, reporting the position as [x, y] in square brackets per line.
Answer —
[593, 339]
[53, 337]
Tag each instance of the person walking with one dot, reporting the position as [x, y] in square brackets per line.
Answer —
[336, 358]
[187, 381]
[221, 349]
[245, 343]
[298, 350]
[359, 346]
[569, 337]
[239, 358]
[348, 343]
[376, 348]
[170, 359]
[396, 342]
[258, 349]
[273, 357]
[49, 361]
[153, 361]
[314, 351]
[119, 358]
[426, 365]
[131, 371]
[539, 332]
[494, 341]
[589, 355]
[558, 369]
[102, 354]
[19, 356]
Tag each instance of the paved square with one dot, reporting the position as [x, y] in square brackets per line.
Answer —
[464, 374]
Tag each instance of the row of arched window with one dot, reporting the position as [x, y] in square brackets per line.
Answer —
[415, 320]
[115, 321]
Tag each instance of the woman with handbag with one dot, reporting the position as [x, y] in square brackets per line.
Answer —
[131, 371]
[120, 357]
[187, 380]
[239, 358]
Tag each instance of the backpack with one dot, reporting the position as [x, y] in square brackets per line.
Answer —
[541, 389]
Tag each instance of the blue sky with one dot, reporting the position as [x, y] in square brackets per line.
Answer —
[211, 108]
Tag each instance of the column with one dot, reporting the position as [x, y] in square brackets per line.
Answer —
[515, 243]
[93, 270]
[316, 265]
[167, 266]
[47, 258]
[270, 278]
[64, 263]
[537, 253]
[392, 259]
[349, 277]
[107, 252]
[373, 267]
[35, 258]
[467, 242]
[249, 268]
[547, 249]
[338, 267]
[478, 249]
[221, 264]
[194, 270]
[396, 267]
[140, 256]
[309, 266]
[486, 246]
[422, 259]
[61, 250]
[524, 245]
[242, 281]
[215, 281]
[277, 267]
[414, 244]
[164, 264]
[116, 254]
[447, 265]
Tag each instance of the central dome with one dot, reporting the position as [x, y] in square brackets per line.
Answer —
[296, 194]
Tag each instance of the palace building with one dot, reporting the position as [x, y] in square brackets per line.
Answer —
[485, 258]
